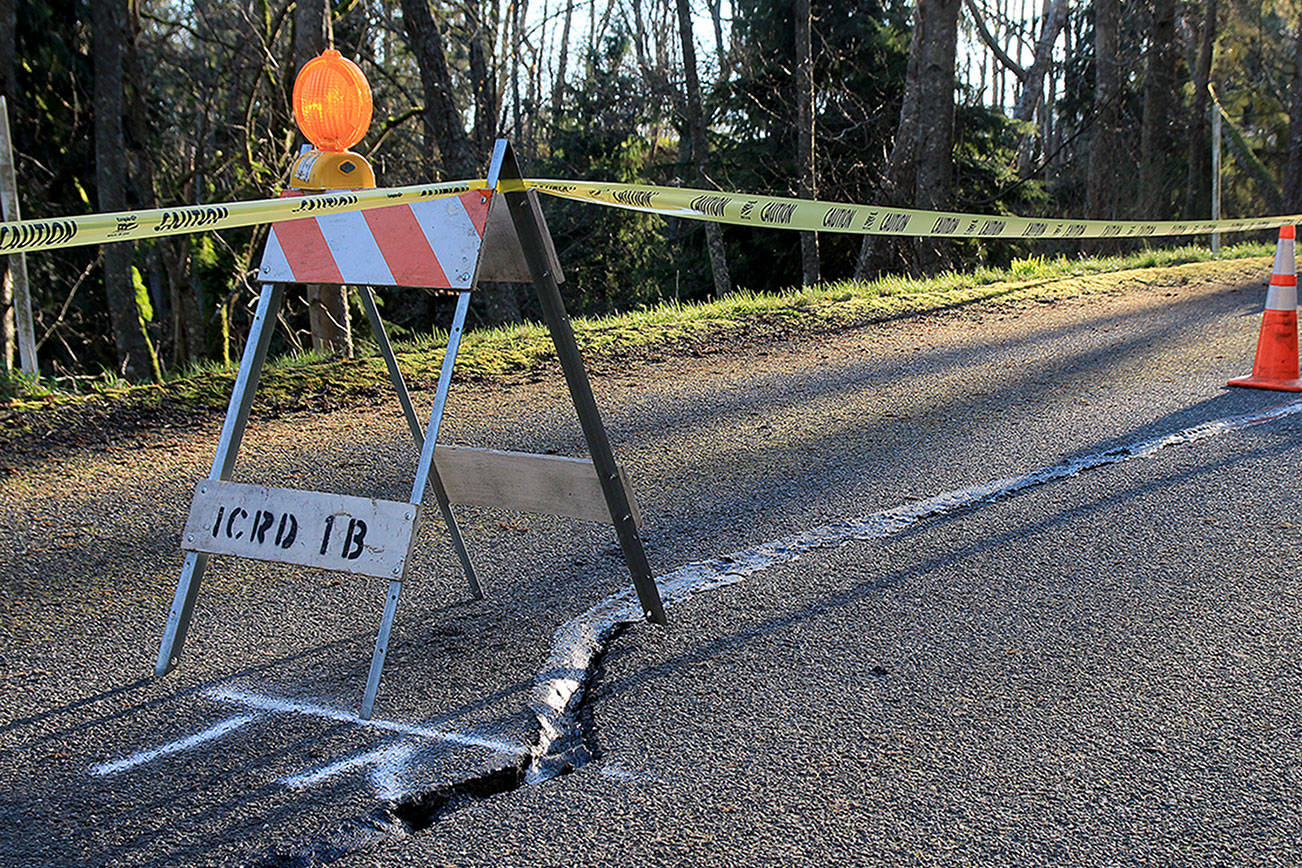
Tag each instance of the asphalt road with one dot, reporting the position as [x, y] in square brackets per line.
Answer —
[1097, 667]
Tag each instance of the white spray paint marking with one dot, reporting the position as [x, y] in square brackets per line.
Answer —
[389, 764]
[178, 746]
[579, 640]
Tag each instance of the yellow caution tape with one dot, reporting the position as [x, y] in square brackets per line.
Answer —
[27, 236]
[810, 215]
[773, 212]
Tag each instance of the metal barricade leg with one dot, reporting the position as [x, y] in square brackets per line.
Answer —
[529, 227]
[223, 462]
[381, 649]
[425, 475]
[413, 422]
[425, 472]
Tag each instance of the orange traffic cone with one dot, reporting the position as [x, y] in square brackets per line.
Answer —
[1276, 365]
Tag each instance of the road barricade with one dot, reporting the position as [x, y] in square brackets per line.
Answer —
[448, 243]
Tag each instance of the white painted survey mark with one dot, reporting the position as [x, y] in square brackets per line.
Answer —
[291, 706]
[389, 767]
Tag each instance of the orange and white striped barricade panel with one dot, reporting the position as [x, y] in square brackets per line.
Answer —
[434, 244]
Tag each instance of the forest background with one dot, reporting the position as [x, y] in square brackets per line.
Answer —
[1035, 107]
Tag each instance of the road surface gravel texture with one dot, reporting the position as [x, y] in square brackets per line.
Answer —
[1098, 668]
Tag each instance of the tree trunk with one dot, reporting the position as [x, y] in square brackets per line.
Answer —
[696, 127]
[8, 50]
[1293, 174]
[108, 31]
[1197, 191]
[558, 87]
[1100, 187]
[1033, 82]
[482, 81]
[447, 143]
[327, 305]
[805, 134]
[935, 139]
[1159, 89]
[171, 255]
[9, 90]
[716, 17]
[877, 253]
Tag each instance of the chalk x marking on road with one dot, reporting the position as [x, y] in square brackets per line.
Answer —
[388, 763]
[579, 640]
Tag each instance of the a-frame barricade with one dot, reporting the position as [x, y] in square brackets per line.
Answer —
[449, 244]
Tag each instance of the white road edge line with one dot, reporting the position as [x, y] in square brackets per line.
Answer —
[577, 641]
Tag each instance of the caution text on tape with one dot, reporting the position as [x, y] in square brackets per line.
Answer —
[811, 215]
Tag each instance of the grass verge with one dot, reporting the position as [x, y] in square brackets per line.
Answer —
[36, 419]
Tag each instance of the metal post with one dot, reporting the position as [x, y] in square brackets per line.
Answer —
[529, 227]
[381, 649]
[1216, 174]
[400, 386]
[228, 447]
[17, 261]
[367, 298]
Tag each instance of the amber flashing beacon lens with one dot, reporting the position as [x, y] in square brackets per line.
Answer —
[332, 102]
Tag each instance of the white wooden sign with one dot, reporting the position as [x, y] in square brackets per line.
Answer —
[548, 484]
[315, 529]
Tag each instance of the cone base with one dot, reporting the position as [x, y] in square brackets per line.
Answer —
[1268, 383]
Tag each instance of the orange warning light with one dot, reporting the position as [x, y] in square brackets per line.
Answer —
[332, 102]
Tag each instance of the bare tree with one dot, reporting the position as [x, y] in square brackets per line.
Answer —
[936, 120]
[169, 257]
[482, 82]
[1100, 187]
[696, 128]
[716, 17]
[805, 133]
[558, 87]
[1197, 201]
[877, 252]
[447, 146]
[919, 169]
[1033, 83]
[1031, 77]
